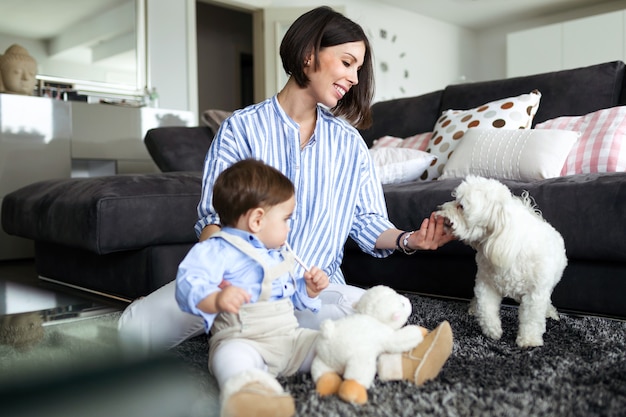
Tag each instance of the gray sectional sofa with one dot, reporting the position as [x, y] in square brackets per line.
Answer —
[124, 235]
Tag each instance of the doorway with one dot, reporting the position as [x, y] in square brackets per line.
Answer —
[224, 39]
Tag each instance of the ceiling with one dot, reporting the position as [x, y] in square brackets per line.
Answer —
[480, 14]
[41, 19]
[100, 32]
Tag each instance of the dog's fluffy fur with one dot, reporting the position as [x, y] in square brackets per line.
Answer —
[518, 255]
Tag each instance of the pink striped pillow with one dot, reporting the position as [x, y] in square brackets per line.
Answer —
[387, 142]
[602, 143]
[419, 142]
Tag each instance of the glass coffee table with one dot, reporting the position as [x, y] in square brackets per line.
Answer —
[43, 327]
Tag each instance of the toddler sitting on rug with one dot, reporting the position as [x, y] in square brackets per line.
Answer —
[241, 282]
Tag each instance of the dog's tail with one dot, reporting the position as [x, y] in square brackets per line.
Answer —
[530, 202]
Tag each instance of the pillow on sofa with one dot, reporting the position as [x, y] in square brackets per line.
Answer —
[602, 145]
[508, 113]
[387, 142]
[214, 118]
[524, 155]
[419, 142]
[396, 165]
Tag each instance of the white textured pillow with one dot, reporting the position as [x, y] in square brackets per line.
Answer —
[396, 165]
[508, 113]
[527, 154]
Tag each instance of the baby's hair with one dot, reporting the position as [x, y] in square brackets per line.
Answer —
[323, 27]
[248, 184]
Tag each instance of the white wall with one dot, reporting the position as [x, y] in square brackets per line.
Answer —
[170, 29]
[491, 43]
[420, 54]
[426, 55]
[434, 53]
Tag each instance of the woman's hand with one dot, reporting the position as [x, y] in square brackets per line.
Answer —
[431, 235]
[316, 280]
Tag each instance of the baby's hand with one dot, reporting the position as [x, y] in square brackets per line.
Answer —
[316, 281]
[230, 298]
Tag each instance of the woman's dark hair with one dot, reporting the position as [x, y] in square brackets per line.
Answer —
[320, 28]
[248, 184]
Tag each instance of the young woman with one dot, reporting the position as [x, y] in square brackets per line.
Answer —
[307, 131]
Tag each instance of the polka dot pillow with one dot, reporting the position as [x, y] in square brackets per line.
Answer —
[509, 113]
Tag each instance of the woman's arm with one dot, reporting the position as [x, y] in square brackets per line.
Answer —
[208, 231]
[223, 152]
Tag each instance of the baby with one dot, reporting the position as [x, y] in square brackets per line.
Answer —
[241, 282]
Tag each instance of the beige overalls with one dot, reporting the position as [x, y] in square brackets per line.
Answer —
[269, 326]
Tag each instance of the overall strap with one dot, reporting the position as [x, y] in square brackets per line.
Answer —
[270, 273]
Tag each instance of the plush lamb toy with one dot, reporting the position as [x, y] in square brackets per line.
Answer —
[351, 345]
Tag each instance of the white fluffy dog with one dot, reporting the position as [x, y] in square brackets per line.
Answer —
[519, 255]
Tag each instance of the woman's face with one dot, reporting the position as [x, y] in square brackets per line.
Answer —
[337, 72]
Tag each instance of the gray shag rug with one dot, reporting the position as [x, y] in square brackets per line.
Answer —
[580, 371]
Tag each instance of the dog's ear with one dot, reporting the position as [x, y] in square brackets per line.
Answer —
[482, 202]
[502, 243]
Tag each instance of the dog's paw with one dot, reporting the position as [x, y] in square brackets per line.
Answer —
[492, 331]
[552, 313]
[526, 341]
[471, 310]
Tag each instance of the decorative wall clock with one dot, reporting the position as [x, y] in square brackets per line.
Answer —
[392, 75]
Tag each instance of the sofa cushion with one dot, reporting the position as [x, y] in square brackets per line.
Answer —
[529, 154]
[602, 145]
[179, 148]
[507, 113]
[396, 165]
[419, 142]
[106, 214]
[214, 118]
[569, 92]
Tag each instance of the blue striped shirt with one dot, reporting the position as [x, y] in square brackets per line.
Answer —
[338, 193]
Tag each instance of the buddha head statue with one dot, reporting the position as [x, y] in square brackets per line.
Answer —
[17, 71]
